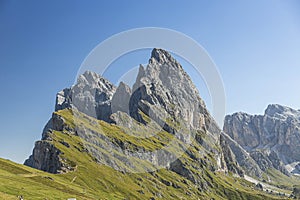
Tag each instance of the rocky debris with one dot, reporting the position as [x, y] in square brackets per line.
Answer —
[272, 139]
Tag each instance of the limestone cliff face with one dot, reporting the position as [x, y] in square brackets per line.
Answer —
[45, 155]
[164, 85]
[272, 139]
[163, 98]
[92, 95]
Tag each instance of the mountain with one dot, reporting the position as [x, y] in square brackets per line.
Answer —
[155, 140]
[271, 140]
[163, 100]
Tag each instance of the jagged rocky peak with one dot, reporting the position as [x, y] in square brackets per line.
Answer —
[275, 108]
[161, 56]
[94, 80]
[165, 69]
[91, 95]
[121, 98]
[164, 85]
[271, 139]
[281, 112]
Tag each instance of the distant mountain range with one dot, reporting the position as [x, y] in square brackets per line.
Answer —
[272, 140]
[156, 140]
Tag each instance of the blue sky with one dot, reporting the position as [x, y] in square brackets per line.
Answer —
[255, 44]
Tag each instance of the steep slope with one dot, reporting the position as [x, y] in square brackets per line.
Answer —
[156, 140]
[271, 140]
[18, 180]
[242, 156]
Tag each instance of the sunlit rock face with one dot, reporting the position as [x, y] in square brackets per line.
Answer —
[92, 95]
[272, 139]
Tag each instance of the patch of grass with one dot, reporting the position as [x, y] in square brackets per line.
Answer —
[280, 180]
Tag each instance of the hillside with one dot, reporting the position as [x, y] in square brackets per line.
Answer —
[90, 180]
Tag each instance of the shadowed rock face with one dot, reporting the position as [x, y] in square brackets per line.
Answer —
[272, 139]
[46, 157]
[241, 156]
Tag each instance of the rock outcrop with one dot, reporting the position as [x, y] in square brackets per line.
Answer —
[121, 98]
[272, 139]
[45, 155]
[241, 156]
[164, 86]
[92, 95]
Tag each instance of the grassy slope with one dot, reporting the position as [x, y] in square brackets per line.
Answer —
[16, 179]
[93, 181]
[280, 180]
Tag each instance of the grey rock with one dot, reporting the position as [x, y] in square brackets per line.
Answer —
[91, 95]
[180, 168]
[266, 160]
[242, 157]
[296, 169]
[46, 157]
[259, 186]
[164, 86]
[63, 99]
[229, 158]
[272, 139]
[55, 123]
[121, 98]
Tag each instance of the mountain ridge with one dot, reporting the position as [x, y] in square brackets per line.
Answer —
[273, 142]
[154, 94]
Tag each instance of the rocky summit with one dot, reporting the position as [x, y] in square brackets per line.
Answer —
[271, 140]
[155, 140]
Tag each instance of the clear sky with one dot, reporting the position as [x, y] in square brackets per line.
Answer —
[255, 44]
